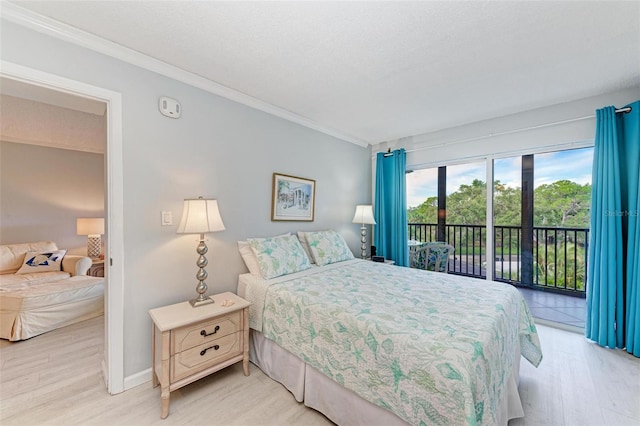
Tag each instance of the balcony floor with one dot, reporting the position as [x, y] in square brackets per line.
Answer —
[552, 308]
[556, 310]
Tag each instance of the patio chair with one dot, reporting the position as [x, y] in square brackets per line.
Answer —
[432, 256]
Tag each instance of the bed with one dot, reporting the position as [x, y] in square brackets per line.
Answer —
[372, 343]
[30, 308]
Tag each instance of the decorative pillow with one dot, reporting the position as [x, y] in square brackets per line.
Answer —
[328, 247]
[302, 236]
[249, 256]
[279, 255]
[35, 261]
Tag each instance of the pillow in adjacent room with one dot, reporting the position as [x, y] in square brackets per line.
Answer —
[328, 247]
[280, 255]
[48, 261]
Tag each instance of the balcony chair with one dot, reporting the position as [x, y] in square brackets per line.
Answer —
[432, 256]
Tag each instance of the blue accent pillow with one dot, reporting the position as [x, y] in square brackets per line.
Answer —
[35, 262]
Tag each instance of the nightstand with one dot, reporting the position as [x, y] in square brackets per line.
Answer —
[97, 268]
[190, 343]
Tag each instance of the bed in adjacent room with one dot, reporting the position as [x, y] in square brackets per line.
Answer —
[372, 343]
[30, 309]
[42, 289]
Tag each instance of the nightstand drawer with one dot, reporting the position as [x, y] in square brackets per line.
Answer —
[196, 359]
[187, 337]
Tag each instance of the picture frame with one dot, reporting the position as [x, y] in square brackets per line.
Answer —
[292, 198]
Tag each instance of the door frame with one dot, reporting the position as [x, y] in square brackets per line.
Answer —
[113, 362]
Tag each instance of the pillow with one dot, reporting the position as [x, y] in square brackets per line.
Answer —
[36, 261]
[328, 247]
[280, 255]
[302, 236]
[249, 256]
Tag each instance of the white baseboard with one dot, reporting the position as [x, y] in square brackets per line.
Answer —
[137, 379]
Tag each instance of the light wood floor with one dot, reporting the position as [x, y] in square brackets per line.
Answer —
[55, 379]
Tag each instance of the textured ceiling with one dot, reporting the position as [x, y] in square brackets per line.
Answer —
[376, 71]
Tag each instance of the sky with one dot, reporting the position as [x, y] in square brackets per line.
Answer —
[574, 165]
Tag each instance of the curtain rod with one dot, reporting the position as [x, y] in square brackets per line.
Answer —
[539, 126]
[508, 132]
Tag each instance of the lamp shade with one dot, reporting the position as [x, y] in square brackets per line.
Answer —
[200, 216]
[90, 226]
[364, 215]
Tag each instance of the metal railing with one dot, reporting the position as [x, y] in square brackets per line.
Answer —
[559, 254]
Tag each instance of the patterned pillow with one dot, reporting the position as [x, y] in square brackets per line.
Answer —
[35, 261]
[328, 247]
[249, 256]
[279, 255]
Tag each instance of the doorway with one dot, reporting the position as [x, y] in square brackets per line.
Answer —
[113, 362]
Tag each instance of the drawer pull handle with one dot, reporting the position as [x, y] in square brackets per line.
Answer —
[214, 347]
[215, 330]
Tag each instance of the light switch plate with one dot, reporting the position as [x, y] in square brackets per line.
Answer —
[167, 218]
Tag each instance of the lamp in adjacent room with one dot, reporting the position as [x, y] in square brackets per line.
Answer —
[93, 228]
[200, 216]
[364, 216]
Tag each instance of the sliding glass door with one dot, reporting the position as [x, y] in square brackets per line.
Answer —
[540, 217]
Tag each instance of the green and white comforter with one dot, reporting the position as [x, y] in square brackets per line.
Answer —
[430, 347]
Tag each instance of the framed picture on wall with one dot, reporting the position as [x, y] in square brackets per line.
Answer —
[292, 198]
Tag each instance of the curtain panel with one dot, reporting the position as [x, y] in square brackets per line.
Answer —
[391, 236]
[613, 279]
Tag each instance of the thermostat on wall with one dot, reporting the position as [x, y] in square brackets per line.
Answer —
[170, 107]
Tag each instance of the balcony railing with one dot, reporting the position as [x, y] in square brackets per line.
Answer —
[559, 254]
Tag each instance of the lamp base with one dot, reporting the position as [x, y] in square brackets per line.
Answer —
[201, 288]
[363, 240]
[94, 246]
[201, 302]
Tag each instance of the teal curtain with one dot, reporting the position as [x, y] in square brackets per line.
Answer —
[390, 207]
[613, 279]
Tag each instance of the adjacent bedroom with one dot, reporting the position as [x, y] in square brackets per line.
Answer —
[52, 186]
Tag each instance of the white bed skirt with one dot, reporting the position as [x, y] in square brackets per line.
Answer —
[339, 404]
[27, 310]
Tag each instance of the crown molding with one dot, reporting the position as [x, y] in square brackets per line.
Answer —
[62, 31]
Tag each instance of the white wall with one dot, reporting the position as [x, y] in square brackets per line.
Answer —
[511, 134]
[43, 190]
[217, 149]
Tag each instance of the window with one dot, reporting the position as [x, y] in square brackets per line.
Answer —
[541, 207]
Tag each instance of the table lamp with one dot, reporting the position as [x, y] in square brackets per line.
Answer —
[200, 216]
[364, 216]
[93, 228]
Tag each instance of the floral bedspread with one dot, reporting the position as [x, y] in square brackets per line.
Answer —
[433, 348]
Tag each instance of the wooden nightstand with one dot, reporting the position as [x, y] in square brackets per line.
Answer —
[97, 268]
[191, 343]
